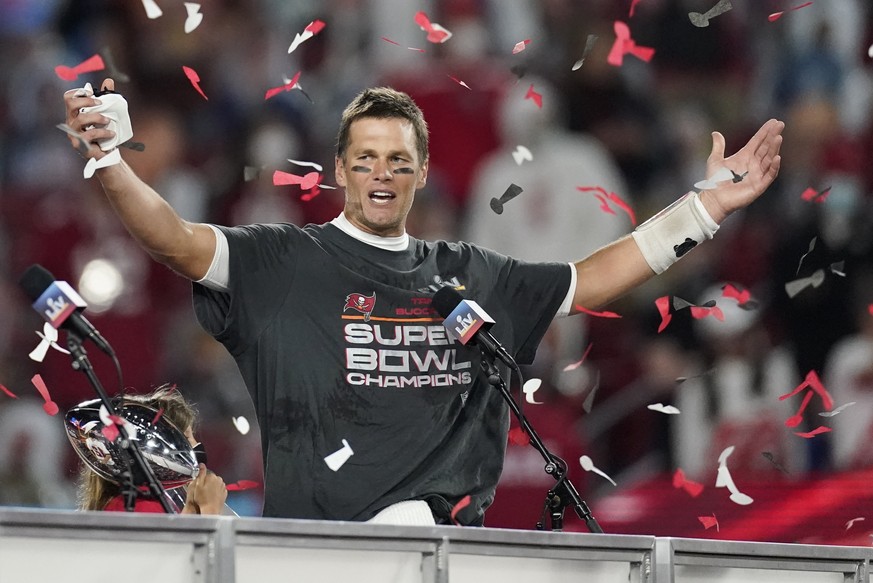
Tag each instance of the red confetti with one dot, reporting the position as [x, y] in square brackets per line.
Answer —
[578, 363]
[633, 7]
[708, 521]
[604, 206]
[307, 196]
[534, 96]
[776, 15]
[314, 27]
[286, 87]
[242, 485]
[663, 304]
[49, 406]
[795, 419]
[611, 196]
[194, 78]
[386, 39]
[742, 297]
[700, 312]
[624, 44]
[624, 206]
[817, 431]
[435, 33]
[157, 416]
[680, 481]
[306, 182]
[462, 503]
[520, 46]
[813, 195]
[110, 432]
[598, 314]
[813, 382]
[517, 436]
[8, 392]
[89, 65]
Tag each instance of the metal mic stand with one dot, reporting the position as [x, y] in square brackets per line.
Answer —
[129, 489]
[563, 494]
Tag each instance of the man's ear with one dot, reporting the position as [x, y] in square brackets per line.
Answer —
[422, 177]
[339, 171]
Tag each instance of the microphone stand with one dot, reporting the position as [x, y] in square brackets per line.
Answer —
[129, 489]
[564, 493]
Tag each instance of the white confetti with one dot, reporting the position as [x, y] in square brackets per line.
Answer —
[794, 287]
[721, 175]
[336, 460]
[521, 154]
[241, 424]
[837, 410]
[588, 465]
[152, 9]
[725, 480]
[195, 17]
[49, 339]
[302, 162]
[661, 408]
[110, 159]
[853, 521]
[530, 387]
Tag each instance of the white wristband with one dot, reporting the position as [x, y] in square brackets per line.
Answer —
[674, 231]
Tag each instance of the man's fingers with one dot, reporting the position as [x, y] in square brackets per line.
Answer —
[717, 147]
[108, 84]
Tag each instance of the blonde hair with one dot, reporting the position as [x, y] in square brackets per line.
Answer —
[95, 491]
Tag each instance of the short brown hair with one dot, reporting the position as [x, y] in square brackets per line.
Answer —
[383, 103]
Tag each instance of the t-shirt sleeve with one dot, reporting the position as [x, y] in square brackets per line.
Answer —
[530, 295]
[263, 261]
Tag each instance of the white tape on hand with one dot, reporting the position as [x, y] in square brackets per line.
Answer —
[674, 231]
[114, 107]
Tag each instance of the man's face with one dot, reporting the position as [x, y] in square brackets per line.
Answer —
[380, 172]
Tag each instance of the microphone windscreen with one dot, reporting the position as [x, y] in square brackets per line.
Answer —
[36, 280]
[445, 300]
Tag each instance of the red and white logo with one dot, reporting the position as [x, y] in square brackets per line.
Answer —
[361, 303]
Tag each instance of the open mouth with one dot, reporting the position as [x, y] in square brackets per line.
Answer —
[382, 197]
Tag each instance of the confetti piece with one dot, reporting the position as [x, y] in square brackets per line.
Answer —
[49, 406]
[48, 339]
[306, 182]
[624, 44]
[111, 69]
[517, 436]
[663, 305]
[743, 297]
[534, 96]
[336, 460]
[708, 521]
[312, 29]
[588, 403]
[777, 15]
[723, 174]
[530, 387]
[725, 480]
[837, 411]
[462, 503]
[680, 380]
[837, 268]
[813, 195]
[694, 489]
[521, 154]
[794, 287]
[157, 416]
[578, 363]
[813, 382]
[633, 7]
[817, 431]
[435, 33]
[93, 164]
[702, 20]
[242, 485]
[809, 249]
[89, 65]
[459, 82]
[309, 164]
[597, 314]
[662, 408]
[870, 52]
[307, 196]
[604, 205]
[194, 18]
[110, 432]
[287, 86]
[194, 78]
[850, 523]
[241, 424]
[511, 192]
[152, 9]
[8, 392]
[588, 466]
[520, 46]
[131, 145]
[624, 206]
[700, 312]
[776, 464]
[386, 39]
[589, 45]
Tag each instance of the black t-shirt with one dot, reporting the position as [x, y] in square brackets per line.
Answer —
[340, 349]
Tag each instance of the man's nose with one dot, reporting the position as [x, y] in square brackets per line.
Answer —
[382, 170]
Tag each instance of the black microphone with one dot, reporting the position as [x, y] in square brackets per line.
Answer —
[59, 304]
[468, 323]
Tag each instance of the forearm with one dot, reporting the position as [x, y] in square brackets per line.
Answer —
[609, 273]
[159, 230]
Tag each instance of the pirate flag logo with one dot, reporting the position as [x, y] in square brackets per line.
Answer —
[361, 303]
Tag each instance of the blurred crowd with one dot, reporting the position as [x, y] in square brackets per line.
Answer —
[639, 131]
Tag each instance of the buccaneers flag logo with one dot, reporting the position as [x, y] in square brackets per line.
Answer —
[360, 302]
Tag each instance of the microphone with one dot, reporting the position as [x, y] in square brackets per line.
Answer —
[59, 304]
[468, 323]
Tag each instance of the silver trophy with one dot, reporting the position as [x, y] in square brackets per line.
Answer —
[163, 445]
